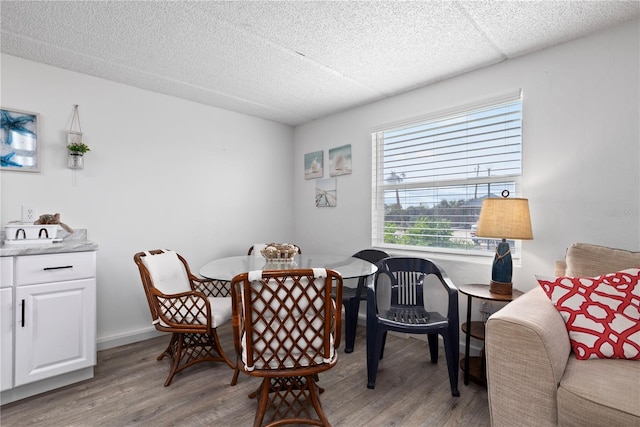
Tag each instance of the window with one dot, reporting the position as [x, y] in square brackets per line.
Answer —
[431, 175]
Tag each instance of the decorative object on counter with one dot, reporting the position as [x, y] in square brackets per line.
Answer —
[30, 234]
[279, 252]
[504, 218]
[43, 231]
[75, 146]
[19, 140]
[64, 242]
[53, 219]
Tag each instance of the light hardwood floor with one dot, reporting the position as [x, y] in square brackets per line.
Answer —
[127, 390]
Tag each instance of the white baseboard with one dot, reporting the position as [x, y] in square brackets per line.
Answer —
[127, 338]
[147, 333]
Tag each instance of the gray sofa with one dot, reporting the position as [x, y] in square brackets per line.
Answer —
[534, 379]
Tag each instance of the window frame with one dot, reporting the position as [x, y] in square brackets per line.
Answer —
[379, 186]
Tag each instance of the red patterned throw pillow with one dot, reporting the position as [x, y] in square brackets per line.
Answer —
[602, 314]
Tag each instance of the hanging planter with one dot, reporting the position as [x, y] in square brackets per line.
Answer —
[76, 148]
[75, 160]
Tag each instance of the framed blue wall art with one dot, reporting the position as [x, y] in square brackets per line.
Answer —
[19, 140]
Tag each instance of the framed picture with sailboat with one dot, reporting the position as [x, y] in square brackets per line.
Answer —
[340, 160]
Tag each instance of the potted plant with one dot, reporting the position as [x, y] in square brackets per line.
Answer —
[80, 148]
[76, 154]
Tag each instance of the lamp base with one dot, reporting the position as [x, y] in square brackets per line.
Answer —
[500, 288]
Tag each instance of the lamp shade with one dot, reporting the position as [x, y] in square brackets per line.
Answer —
[505, 218]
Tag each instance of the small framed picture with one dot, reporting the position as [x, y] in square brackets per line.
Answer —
[19, 140]
[326, 193]
[313, 165]
[340, 160]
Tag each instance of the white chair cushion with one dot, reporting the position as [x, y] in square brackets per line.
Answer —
[220, 313]
[220, 310]
[288, 362]
[167, 272]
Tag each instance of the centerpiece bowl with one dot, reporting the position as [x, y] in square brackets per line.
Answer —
[279, 252]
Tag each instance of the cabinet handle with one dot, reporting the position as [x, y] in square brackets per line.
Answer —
[58, 268]
[23, 313]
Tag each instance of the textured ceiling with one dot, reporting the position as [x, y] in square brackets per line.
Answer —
[291, 62]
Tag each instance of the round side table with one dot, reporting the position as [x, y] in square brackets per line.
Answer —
[474, 367]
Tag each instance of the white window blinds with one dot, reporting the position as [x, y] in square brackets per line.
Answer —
[430, 175]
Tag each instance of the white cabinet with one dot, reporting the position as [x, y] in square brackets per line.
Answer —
[6, 323]
[55, 329]
[54, 320]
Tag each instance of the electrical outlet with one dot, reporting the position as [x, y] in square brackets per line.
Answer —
[29, 214]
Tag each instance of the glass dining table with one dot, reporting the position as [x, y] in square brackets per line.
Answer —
[227, 268]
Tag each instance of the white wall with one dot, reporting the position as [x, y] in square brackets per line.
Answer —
[162, 173]
[580, 152]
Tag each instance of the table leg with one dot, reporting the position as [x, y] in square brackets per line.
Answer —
[467, 342]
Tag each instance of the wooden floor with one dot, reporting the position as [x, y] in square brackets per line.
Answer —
[127, 390]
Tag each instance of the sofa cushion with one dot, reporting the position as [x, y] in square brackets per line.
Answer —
[602, 314]
[599, 392]
[586, 260]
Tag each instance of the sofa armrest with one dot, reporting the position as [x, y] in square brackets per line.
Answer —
[527, 347]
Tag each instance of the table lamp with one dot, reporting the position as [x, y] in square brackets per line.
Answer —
[504, 218]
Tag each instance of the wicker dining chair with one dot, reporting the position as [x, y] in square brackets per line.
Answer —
[286, 330]
[188, 307]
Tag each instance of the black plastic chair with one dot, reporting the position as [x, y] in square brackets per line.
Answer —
[351, 298]
[403, 279]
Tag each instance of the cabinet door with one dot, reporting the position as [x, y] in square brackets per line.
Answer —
[6, 338]
[55, 329]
